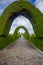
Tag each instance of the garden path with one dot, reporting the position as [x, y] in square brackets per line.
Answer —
[21, 52]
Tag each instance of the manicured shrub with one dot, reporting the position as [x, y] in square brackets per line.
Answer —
[4, 41]
[36, 41]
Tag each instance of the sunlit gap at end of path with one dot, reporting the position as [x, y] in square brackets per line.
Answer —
[21, 31]
[21, 21]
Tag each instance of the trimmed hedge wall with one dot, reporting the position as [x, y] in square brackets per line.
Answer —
[36, 17]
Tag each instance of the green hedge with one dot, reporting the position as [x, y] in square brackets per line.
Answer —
[4, 41]
[35, 16]
[36, 41]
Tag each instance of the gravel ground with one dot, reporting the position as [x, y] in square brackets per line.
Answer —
[20, 52]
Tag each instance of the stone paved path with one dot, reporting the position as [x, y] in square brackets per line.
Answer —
[20, 52]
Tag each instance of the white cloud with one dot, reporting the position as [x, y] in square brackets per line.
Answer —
[21, 30]
[4, 4]
[6, 1]
[1, 10]
[39, 5]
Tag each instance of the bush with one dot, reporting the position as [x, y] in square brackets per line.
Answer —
[36, 41]
[4, 41]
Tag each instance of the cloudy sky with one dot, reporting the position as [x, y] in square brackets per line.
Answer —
[37, 3]
[5, 3]
[21, 21]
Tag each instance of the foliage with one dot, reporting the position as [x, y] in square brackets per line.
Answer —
[35, 16]
[36, 41]
[26, 35]
[16, 30]
[4, 41]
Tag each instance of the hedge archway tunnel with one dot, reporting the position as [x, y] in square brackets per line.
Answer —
[21, 8]
[19, 27]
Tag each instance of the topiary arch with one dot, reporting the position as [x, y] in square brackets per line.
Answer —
[19, 27]
[21, 8]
